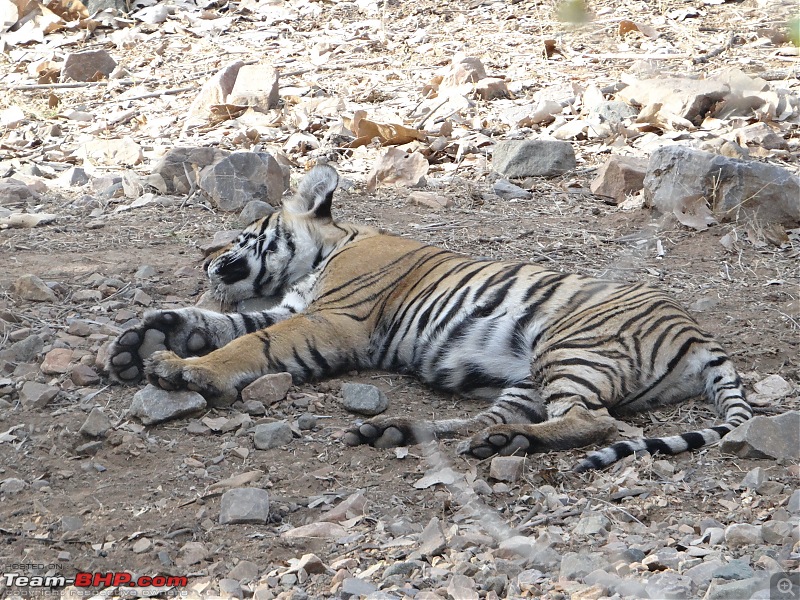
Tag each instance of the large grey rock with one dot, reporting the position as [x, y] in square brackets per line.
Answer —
[432, 541]
[678, 177]
[253, 211]
[576, 566]
[179, 167]
[690, 99]
[775, 437]
[533, 158]
[742, 534]
[244, 505]
[90, 65]
[154, 405]
[669, 585]
[36, 395]
[364, 399]
[268, 389]
[731, 590]
[619, 176]
[24, 350]
[272, 435]
[31, 287]
[242, 177]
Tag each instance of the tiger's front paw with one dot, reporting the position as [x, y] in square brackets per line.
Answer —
[388, 432]
[497, 439]
[169, 371]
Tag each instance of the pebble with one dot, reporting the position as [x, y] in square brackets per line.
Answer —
[353, 587]
[154, 405]
[268, 389]
[669, 585]
[364, 399]
[753, 479]
[272, 435]
[776, 532]
[30, 287]
[79, 327]
[507, 468]
[145, 272]
[37, 395]
[141, 546]
[254, 407]
[592, 524]
[244, 505]
[323, 530]
[307, 421]
[96, 424]
[244, 571]
[575, 566]
[57, 361]
[793, 506]
[192, 553]
[12, 485]
[25, 350]
[84, 375]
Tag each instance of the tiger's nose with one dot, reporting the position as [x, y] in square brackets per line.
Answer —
[230, 270]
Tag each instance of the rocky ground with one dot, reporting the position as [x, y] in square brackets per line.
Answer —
[90, 240]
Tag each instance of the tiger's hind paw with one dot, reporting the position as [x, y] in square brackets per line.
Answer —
[498, 439]
[388, 433]
[169, 371]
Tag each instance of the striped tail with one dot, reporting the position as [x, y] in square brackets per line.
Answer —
[723, 386]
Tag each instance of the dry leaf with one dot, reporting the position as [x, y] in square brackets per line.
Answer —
[69, 10]
[25, 220]
[397, 168]
[694, 213]
[388, 134]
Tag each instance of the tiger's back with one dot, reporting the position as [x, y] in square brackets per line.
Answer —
[555, 351]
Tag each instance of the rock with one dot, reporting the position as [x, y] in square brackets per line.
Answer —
[89, 448]
[776, 532]
[244, 505]
[772, 387]
[349, 508]
[702, 573]
[576, 566]
[430, 200]
[253, 211]
[353, 587]
[462, 587]
[57, 361]
[689, 99]
[431, 540]
[618, 177]
[322, 530]
[490, 88]
[612, 112]
[112, 151]
[753, 479]
[12, 485]
[142, 298]
[742, 534]
[257, 86]
[30, 287]
[533, 158]
[192, 553]
[733, 570]
[404, 569]
[36, 395]
[244, 571]
[73, 177]
[509, 191]
[306, 421]
[462, 69]
[363, 399]
[14, 192]
[23, 351]
[90, 65]
[141, 546]
[734, 150]
[214, 91]
[84, 375]
[179, 166]
[96, 424]
[255, 408]
[775, 437]
[221, 240]
[678, 177]
[272, 435]
[731, 590]
[268, 389]
[154, 405]
[145, 272]
[669, 585]
[507, 468]
[760, 134]
[793, 505]
[592, 524]
[242, 177]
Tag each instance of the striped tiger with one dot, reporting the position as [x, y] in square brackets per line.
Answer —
[558, 353]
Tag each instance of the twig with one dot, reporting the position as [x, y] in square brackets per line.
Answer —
[715, 52]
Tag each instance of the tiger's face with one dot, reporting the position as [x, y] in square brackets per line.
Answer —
[276, 251]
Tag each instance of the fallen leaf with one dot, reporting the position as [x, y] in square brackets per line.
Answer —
[694, 213]
[399, 168]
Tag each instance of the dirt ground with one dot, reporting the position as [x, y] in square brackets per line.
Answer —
[87, 513]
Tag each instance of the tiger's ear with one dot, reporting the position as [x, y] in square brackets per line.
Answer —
[315, 193]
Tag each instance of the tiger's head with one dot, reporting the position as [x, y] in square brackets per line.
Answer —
[274, 252]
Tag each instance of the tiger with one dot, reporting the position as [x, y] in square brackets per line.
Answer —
[560, 355]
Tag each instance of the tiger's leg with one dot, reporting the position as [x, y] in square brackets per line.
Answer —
[307, 346]
[194, 331]
[520, 403]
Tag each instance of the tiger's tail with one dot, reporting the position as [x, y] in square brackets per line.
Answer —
[723, 387]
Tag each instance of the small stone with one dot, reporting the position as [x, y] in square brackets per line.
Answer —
[533, 158]
[776, 532]
[89, 449]
[576, 566]
[669, 585]
[79, 327]
[23, 351]
[742, 534]
[253, 211]
[619, 177]
[462, 587]
[245, 571]
[353, 587]
[431, 540]
[255, 408]
[89, 65]
[57, 361]
[73, 177]
[429, 200]
[142, 298]
[244, 505]
[592, 524]
[272, 435]
[154, 405]
[141, 546]
[30, 287]
[257, 86]
[37, 395]
[490, 88]
[690, 99]
[96, 424]
[179, 166]
[307, 421]
[775, 437]
[229, 588]
[84, 375]
[507, 468]
[191, 553]
[363, 399]
[268, 389]
[509, 191]
[240, 178]
[793, 506]
[753, 479]
[145, 272]
[349, 508]
[731, 590]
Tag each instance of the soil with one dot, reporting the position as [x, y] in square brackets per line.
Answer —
[153, 482]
